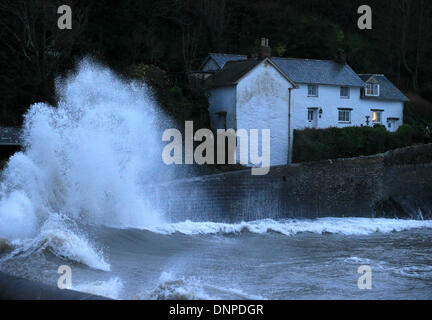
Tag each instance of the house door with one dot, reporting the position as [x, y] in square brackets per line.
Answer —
[392, 124]
[313, 117]
[221, 120]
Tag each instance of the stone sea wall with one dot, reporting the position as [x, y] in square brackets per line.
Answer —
[395, 184]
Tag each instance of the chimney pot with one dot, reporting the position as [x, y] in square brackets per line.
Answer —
[264, 51]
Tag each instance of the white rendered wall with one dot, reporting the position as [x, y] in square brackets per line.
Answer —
[392, 109]
[329, 101]
[262, 103]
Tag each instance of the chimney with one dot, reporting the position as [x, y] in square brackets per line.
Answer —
[340, 57]
[264, 51]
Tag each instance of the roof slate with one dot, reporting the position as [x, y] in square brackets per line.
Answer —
[307, 71]
[231, 73]
[298, 70]
[318, 72]
[222, 58]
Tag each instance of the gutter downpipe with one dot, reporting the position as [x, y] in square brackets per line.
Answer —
[289, 128]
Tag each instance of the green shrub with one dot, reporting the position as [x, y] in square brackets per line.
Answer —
[404, 135]
[333, 143]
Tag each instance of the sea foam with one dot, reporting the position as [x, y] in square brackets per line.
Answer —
[111, 288]
[289, 227]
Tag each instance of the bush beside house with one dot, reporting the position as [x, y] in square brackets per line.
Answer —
[334, 143]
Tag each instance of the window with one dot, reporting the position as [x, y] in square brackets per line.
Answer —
[345, 92]
[312, 90]
[376, 116]
[310, 115]
[344, 115]
[372, 89]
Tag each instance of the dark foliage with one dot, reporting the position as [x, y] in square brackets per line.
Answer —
[174, 36]
[334, 143]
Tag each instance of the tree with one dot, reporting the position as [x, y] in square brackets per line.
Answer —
[35, 48]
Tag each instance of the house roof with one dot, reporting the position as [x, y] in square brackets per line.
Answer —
[222, 58]
[235, 70]
[10, 136]
[298, 70]
[318, 72]
[234, 67]
[232, 72]
[387, 91]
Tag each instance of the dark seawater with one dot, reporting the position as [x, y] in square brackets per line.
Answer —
[249, 261]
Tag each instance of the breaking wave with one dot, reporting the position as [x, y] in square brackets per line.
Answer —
[57, 238]
[345, 226]
[84, 159]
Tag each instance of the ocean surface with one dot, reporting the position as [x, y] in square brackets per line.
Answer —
[290, 259]
[74, 196]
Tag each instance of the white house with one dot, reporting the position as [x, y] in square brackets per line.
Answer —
[283, 94]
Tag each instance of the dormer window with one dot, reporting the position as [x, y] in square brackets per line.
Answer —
[372, 90]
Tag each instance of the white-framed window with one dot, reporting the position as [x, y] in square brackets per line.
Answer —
[345, 92]
[312, 90]
[376, 116]
[372, 89]
[310, 115]
[344, 115]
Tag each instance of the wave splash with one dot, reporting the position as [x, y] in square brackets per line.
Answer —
[174, 287]
[84, 159]
[59, 236]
